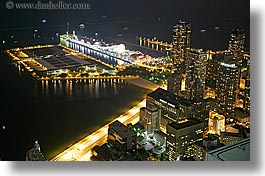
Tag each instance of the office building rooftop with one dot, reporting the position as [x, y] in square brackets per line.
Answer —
[170, 98]
[239, 151]
[189, 122]
[121, 129]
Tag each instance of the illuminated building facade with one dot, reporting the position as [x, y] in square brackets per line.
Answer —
[242, 60]
[216, 123]
[226, 84]
[195, 64]
[181, 138]
[150, 119]
[176, 83]
[181, 41]
[245, 80]
[210, 81]
[173, 108]
[121, 137]
[236, 44]
[190, 83]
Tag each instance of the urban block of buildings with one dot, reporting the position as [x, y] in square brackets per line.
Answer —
[207, 102]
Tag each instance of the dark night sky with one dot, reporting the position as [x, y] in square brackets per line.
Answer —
[203, 14]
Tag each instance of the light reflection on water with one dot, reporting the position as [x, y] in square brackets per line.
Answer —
[77, 89]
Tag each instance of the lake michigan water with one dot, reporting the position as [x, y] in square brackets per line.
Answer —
[56, 113]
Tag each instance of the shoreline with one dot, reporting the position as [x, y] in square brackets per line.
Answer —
[142, 83]
[101, 133]
[95, 138]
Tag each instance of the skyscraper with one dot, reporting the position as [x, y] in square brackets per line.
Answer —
[226, 85]
[244, 85]
[246, 104]
[190, 83]
[236, 44]
[176, 83]
[181, 41]
[181, 138]
[195, 71]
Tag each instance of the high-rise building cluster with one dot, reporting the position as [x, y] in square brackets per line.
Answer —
[207, 100]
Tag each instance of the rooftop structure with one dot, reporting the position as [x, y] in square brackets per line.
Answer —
[42, 52]
[120, 128]
[188, 123]
[61, 62]
[121, 137]
[169, 98]
[46, 58]
[210, 142]
[239, 151]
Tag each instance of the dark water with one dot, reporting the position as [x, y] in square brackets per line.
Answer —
[56, 113]
[147, 18]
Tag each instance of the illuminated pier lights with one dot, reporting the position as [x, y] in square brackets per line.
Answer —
[155, 44]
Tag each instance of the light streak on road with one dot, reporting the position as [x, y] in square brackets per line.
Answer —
[81, 151]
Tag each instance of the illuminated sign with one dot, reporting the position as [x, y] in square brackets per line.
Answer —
[229, 65]
[171, 105]
[163, 101]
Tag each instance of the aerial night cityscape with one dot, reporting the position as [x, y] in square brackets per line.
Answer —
[95, 80]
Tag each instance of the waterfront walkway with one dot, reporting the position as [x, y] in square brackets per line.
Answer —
[142, 83]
